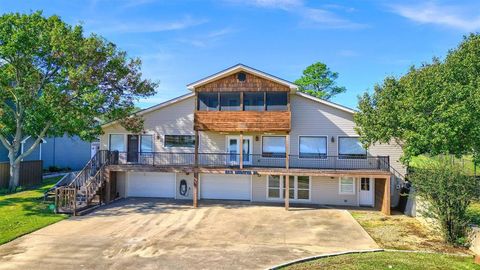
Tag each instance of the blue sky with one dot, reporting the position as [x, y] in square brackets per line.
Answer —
[183, 41]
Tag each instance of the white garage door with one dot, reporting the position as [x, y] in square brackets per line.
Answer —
[225, 187]
[151, 184]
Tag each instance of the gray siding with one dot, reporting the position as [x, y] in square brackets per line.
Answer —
[63, 152]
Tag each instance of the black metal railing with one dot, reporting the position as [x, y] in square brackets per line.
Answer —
[232, 160]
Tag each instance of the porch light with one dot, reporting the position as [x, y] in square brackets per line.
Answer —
[333, 139]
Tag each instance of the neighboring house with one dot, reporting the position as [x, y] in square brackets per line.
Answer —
[62, 152]
[239, 135]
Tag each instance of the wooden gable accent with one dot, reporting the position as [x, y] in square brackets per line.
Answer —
[252, 83]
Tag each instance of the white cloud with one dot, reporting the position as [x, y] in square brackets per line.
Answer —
[148, 26]
[207, 39]
[320, 17]
[327, 19]
[433, 13]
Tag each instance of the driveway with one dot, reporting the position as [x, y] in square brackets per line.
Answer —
[161, 234]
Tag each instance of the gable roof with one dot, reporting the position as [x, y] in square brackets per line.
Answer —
[325, 102]
[240, 67]
[156, 107]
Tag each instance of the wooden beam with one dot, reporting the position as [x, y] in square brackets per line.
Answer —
[386, 209]
[195, 190]
[241, 150]
[195, 157]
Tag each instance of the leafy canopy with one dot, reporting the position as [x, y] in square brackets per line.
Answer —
[433, 109]
[319, 81]
[56, 80]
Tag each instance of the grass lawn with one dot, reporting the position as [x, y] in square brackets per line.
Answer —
[402, 232]
[389, 260]
[24, 212]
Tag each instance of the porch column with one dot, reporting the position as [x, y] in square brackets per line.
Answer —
[107, 191]
[241, 150]
[195, 174]
[287, 177]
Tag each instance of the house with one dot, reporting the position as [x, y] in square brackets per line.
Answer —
[243, 134]
[61, 152]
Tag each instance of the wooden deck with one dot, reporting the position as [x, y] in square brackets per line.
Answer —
[249, 170]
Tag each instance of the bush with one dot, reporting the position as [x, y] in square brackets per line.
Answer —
[53, 169]
[447, 191]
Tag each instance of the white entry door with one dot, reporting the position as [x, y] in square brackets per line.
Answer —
[233, 149]
[366, 191]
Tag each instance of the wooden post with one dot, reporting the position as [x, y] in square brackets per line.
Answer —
[197, 138]
[195, 189]
[386, 193]
[241, 150]
[56, 199]
[107, 191]
[74, 201]
[287, 191]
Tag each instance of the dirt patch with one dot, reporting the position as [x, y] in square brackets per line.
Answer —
[402, 232]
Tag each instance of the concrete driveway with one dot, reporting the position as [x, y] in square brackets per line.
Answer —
[161, 234]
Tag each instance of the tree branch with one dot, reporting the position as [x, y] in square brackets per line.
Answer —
[35, 143]
[6, 143]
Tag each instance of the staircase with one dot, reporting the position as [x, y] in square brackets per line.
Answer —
[85, 189]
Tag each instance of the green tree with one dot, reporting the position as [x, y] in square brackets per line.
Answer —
[446, 191]
[433, 109]
[54, 80]
[319, 81]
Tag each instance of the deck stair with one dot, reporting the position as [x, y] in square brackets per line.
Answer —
[84, 190]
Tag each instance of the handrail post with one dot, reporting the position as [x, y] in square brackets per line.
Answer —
[241, 150]
[56, 200]
[74, 202]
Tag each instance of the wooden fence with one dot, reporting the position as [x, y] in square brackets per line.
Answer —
[30, 173]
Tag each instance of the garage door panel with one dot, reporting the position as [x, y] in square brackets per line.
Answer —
[151, 185]
[225, 187]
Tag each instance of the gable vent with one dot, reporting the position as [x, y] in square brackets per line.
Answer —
[241, 76]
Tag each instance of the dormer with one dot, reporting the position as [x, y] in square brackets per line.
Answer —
[241, 98]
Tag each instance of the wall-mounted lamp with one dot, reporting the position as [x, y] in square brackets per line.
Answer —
[332, 139]
[257, 138]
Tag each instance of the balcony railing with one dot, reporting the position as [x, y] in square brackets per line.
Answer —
[228, 160]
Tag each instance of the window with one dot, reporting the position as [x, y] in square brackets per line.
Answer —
[277, 101]
[291, 186]
[273, 146]
[347, 185]
[299, 187]
[313, 146]
[179, 141]
[229, 101]
[208, 101]
[253, 101]
[146, 143]
[274, 186]
[350, 147]
[303, 187]
[117, 142]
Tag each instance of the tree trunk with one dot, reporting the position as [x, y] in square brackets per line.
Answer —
[14, 175]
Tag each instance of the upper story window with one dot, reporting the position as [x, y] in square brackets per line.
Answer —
[253, 101]
[313, 147]
[277, 101]
[146, 143]
[273, 146]
[117, 142]
[179, 141]
[230, 101]
[350, 147]
[208, 101]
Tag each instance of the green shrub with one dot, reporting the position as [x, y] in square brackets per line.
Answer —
[447, 191]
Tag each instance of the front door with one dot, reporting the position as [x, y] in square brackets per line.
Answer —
[366, 191]
[132, 148]
[233, 149]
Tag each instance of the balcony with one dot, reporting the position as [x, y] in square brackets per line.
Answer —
[253, 161]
